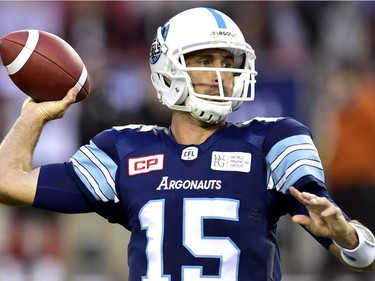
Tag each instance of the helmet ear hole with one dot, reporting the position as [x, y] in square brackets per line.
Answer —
[167, 81]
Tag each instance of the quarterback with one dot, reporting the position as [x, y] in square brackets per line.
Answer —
[203, 197]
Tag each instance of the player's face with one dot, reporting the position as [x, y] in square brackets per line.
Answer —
[207, 82]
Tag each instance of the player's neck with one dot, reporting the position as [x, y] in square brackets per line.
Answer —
[187, 130]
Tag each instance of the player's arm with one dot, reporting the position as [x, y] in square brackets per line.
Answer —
[353, 245]
[18, 179]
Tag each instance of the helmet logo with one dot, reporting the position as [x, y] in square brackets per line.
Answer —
[155, 50]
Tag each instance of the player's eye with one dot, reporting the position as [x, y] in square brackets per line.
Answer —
[228, 64]
[205, 62]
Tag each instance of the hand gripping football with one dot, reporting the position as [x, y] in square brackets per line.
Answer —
[42, 65]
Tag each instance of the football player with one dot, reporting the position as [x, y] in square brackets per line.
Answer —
[203, 197]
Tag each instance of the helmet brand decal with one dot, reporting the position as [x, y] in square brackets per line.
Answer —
[223, 33]
[155, 51]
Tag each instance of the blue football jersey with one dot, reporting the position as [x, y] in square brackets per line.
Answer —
[200, 212]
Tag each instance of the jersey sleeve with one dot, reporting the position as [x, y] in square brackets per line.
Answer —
[84, 183]
[58, 191]
[292, 158]
[96, 164]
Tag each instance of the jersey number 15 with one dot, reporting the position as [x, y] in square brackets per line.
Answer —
[195, 211]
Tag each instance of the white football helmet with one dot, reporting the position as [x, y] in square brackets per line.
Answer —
[193, 30]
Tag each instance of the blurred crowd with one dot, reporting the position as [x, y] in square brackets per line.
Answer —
[315, 62]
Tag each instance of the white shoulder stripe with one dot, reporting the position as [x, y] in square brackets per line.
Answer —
[90, 179]
[296, 165]
[307, 146]
[25, 54]
[101, 167]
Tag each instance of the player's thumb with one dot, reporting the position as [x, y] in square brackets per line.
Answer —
[301, 219]
[56, 109]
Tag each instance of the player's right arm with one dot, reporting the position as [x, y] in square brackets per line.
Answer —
[18, 179]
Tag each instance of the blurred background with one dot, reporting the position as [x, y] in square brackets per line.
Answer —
[315, 62]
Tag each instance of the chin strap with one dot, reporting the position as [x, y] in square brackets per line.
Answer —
[211, 112]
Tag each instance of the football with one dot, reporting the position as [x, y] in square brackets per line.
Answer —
[43, 65]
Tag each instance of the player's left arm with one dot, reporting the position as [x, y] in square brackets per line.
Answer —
[354, 244]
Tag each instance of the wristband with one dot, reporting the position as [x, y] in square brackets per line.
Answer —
[363, 255]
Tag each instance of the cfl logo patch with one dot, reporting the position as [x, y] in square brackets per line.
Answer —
[189, 153]
[142, 165]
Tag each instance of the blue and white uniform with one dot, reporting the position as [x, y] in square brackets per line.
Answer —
[196, 212]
